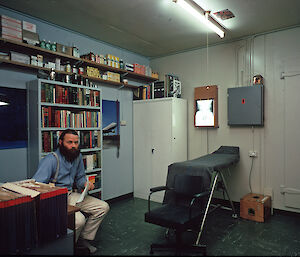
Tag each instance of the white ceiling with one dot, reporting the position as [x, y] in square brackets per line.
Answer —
[155, 28]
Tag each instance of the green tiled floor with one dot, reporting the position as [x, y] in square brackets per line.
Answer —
[124, 232]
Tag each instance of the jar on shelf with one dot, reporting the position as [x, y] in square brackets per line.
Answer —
[74, 69]
[68, 67]
[80, 70]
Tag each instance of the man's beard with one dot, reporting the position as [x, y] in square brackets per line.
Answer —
[70, 155]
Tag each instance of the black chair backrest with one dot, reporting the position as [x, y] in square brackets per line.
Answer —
[188, 185]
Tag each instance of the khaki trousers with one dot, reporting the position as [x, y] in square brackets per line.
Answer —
[96, 210]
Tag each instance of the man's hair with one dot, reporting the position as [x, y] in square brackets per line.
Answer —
[67, 131]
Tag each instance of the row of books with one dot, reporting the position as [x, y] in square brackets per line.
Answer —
[92, 161]
[88, 139]
[53, 117]
[96, 179]
[170, 87]
[143, 92]
[69, 95]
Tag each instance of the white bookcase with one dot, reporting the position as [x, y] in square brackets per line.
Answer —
[54, 106]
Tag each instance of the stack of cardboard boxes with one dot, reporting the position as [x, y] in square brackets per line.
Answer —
[11, 28]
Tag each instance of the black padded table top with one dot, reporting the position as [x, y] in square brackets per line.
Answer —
[204, 166]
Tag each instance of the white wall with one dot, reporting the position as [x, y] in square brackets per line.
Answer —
[232, 65]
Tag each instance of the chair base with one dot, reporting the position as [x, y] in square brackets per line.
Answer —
[179, 248]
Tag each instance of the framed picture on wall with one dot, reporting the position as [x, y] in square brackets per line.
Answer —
[206, 107]
[111, 123]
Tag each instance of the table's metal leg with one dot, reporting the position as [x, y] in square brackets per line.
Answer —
[234, 215]
[207, 207]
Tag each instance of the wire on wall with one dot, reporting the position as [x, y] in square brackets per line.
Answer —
[207, 78]
[250, 172]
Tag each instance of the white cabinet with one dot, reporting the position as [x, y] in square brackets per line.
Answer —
[159, 139]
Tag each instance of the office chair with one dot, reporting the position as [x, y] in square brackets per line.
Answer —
[181, 214]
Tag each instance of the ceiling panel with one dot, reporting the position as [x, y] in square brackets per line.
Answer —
[155, 28]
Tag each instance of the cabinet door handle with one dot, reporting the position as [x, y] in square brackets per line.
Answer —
[152, 150]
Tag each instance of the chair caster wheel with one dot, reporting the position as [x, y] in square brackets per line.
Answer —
[167, 234]
[151, 250]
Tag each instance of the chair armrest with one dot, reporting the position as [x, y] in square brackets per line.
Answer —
[196, 197]
[156, 189]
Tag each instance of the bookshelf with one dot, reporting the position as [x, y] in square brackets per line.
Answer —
[54, 106]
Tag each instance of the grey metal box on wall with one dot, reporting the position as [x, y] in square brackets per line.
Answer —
[245, 106]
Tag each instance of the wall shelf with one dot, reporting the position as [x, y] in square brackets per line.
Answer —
[10, 45]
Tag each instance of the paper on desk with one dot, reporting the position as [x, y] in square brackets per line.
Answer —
[84, 193]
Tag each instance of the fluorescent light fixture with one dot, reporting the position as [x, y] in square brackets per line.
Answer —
[203, 16]
[3, 100]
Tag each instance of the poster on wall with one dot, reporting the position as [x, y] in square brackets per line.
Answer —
[13, 122]
[111, 123]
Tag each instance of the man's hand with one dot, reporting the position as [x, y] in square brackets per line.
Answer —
[91, 185]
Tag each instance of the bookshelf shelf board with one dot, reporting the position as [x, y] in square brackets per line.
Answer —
[89, 172]
[61, 129]
[29, 66]
[74, 106]
[95, 191]
[85, 150]
[68, 84]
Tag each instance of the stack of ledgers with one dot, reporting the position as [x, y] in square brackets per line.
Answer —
[40, 212]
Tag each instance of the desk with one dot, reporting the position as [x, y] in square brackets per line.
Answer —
[71, 220]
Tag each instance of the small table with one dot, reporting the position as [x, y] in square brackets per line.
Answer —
[71, 221]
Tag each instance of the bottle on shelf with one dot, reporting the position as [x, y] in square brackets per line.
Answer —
[43, 44]
[48, 45]
[52, 74]
[53, 47]
[121, 64]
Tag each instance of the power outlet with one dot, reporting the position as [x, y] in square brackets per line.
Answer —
[123, 122]
[253, 153]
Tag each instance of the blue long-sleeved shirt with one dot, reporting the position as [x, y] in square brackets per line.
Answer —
[68, 172]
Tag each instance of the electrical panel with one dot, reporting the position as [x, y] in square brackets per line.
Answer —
[246, 106]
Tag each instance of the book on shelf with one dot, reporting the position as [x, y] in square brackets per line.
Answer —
[91, 161]
[95, 179]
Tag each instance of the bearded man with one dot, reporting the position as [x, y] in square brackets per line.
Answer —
[71, 169]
